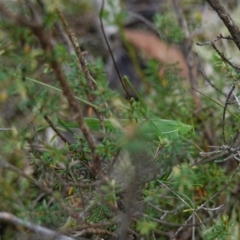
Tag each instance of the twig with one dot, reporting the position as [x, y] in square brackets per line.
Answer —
[227, 20]
[175, 193]
[56, 130]
[174, 211]
[111, 53]
[214, 40]
[146, 21]
[213, 209]
[201, 69]
[47, 44]
[224, 58]
[5, 129]
[83, 67]
[5, 216]
[224, 112]
[221, 151]
[236, 99]
[64, 38]
[170, 224]
[42, 187]
[207, 201]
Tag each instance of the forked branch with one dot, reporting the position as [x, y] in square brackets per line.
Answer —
[46, 41]
[227, 20]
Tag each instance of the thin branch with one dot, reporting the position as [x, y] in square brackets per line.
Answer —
[174, 211]
[42, 187]
[47, 44]
[207, 201]
[178, 196]
[213, 209]
[110, 51]
[227, 20]
[224, 112]
[170, 224]
[220, 152]
[236, 100]
[5, 216]
[95, 231]
[92, 85]
[214, 40]
[5, 129]
[201, 69]
[146, 22]
[65, 39]
[56, 130]
[224, 58]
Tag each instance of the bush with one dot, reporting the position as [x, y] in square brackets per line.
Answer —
[114, 167]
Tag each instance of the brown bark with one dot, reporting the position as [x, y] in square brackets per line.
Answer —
[227, 20]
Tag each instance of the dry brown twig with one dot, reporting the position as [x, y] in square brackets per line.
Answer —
[218, 51]
[5, 216]
[46, 42]
[235, 37]
[50, 123]
[215, 40]
[227, 20]
[224, 58]
[78, 216]
[92, 85]
[231, 26]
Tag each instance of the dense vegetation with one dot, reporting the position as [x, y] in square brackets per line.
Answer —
[156, 159]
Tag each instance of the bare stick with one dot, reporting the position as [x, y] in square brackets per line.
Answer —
[110, 51]
[224, 112]
[56, 130]
[33, 227]
[227, 20]
[214, 40]
[201, 69]
[224, 58]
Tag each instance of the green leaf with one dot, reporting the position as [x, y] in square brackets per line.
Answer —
[126, 81]
[63, 124]
[59, 90]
